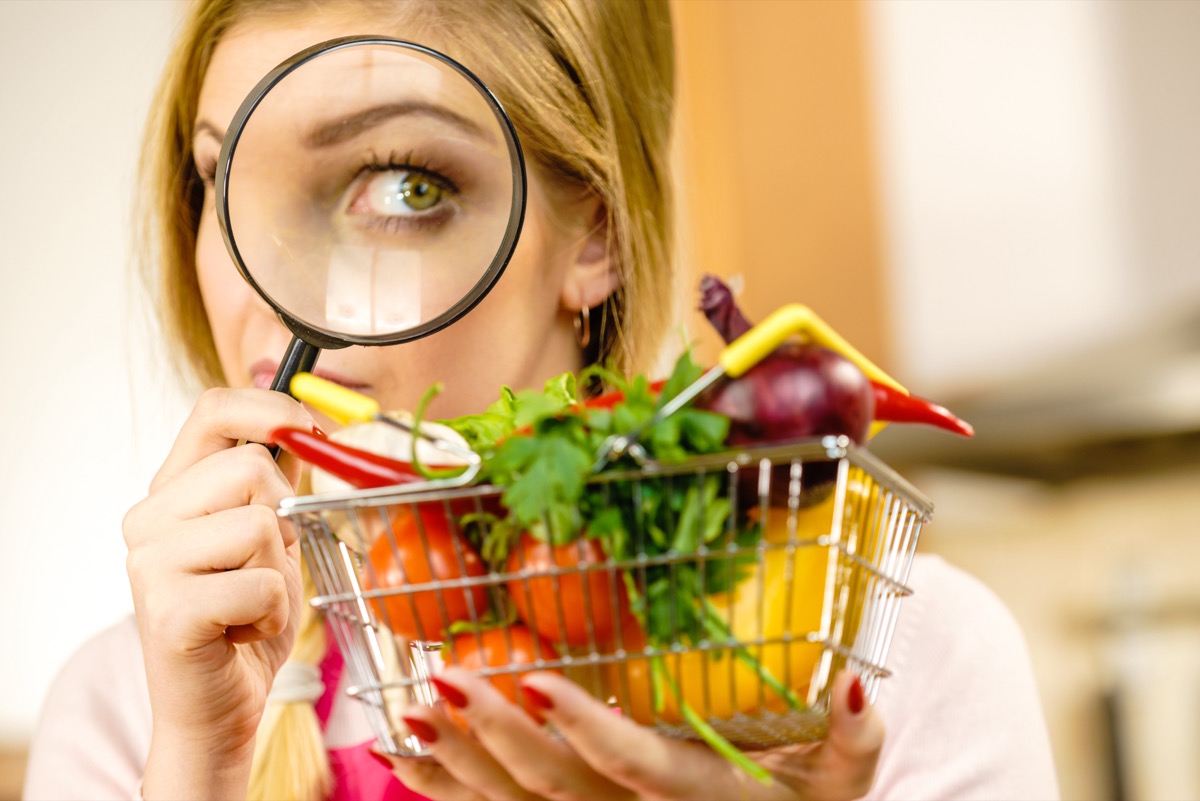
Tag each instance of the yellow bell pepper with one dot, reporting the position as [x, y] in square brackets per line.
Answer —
[783, 593]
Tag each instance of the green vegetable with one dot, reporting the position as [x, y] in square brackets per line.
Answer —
[541, 448]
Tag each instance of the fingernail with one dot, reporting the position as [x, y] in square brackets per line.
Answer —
[317, 430]
[855, 699]
[537, 700]
[382, 759]
[454, 696]
[423, 729]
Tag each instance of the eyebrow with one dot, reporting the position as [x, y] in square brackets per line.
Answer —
[206, 127]
[340, 130]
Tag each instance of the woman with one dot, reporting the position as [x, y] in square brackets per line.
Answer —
[211, 693]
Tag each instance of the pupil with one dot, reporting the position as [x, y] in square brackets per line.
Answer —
[419, 194]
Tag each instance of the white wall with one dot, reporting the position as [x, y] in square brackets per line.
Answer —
[1041, 187]
[75, 82]
[1040, 177]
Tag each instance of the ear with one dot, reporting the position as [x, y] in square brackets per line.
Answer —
[592, 274]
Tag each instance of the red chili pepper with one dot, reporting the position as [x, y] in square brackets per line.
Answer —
[606, 401]
[893, 406]
[362, 469]
[611, 399]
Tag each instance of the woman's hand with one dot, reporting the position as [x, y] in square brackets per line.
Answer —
[216, 588]
[603, 755]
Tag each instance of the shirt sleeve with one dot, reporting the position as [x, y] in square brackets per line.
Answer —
[93, 736]
[963, 716]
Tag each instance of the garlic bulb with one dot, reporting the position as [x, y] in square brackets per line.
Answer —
[395, 443]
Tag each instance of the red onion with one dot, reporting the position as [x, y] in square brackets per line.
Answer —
[716, 301]
[795, 392]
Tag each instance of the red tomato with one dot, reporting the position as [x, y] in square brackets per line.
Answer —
[539, 601]
[512, 646]
[628, 682]
[420, 615]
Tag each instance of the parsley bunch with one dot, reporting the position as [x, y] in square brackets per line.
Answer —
[681, 530]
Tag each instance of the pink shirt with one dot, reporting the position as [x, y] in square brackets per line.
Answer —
[356, 774]
[962, 711]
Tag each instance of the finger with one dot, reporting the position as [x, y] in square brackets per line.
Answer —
[843, 765]
[245, 536]
[295, 595]
[291, 467]
[856, 735]
[194, 612]
[222, 418]
[256, 600]
[630, 755]
[426, 777]
[235, 539]
[538, 763]
[463, 758]
[224, 480]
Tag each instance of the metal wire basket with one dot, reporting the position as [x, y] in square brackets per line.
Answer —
[819, 535]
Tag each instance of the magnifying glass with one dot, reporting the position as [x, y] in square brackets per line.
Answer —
[371, 190]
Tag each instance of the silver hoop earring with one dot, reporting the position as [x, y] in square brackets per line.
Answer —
[583, 328]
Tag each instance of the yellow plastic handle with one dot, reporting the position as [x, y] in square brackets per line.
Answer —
[333, 400]
[750, 348]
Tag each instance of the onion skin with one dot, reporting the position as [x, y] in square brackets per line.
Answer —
[796, 392]
[716, 301]
[891, 405]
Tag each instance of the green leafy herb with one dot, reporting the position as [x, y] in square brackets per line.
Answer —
[541, 448]
[482, 431]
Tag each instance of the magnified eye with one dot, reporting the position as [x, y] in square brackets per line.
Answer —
[400, 193]
[401, 190]
[417, 192]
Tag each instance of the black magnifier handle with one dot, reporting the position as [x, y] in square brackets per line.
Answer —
[300, 357]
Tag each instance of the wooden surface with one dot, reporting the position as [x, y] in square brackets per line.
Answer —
[12, 772]
[776, 146]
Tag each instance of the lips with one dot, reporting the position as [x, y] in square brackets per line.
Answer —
[262, 373]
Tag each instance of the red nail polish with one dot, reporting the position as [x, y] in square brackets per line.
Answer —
[537, 700]
[382, 759]
[855, 699]
[317, 430]
[454, 696]
[424, 730]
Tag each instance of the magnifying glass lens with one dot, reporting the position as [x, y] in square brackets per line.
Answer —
[373, 191]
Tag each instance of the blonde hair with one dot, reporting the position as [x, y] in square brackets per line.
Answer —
[589, 85]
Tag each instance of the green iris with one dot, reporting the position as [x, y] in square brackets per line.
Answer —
[419, 193]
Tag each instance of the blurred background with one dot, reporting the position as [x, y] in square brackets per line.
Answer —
[996, 201]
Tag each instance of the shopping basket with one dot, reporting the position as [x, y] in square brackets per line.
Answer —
[807, 574]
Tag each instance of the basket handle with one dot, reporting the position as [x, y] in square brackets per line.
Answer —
[742, 354]
[333, 400]
[795, 318]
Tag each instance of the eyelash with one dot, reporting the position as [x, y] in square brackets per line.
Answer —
[206, 169]
[409, 164]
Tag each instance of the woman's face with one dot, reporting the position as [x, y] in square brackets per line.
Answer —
[519, 335]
